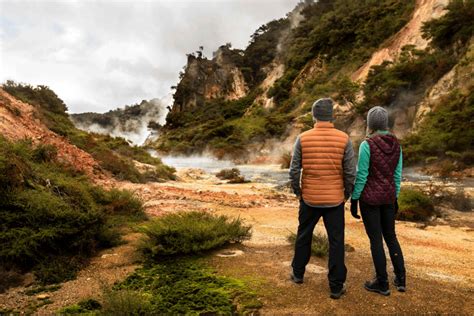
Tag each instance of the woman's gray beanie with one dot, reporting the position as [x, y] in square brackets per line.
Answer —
[377, 119]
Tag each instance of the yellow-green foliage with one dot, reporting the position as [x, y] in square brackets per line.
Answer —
[190, 233]
[52, 218]
[414, 205]
[183, 287]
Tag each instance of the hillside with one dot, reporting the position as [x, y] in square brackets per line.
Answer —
[408, 56]
[131, 122]
[41, 115]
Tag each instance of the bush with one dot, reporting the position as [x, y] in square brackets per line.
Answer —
[414, 205]
[126, 302]
[319, 244]
[445, 132]
[45, 153]
[51, 220]
[233, 175]
[453, 28]
[431, 159]
[87, 307]
[183, 287]
[191, 232]
[460, 200]
[56, 269]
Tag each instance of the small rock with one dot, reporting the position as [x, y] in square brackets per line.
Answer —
[108, 255]
[230, 253]
[42, 296]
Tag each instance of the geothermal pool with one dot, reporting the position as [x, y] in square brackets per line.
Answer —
[255, 173]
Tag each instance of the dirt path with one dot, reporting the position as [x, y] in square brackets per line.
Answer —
[439, 258]
[107, 267]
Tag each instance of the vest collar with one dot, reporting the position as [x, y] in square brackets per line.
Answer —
[323, 124]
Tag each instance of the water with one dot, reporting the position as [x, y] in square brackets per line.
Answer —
[275, 175]
[256, 173]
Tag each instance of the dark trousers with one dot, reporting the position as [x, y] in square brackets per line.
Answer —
[333, 218]
[379, 221]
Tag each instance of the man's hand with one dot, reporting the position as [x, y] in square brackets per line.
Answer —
[354, 208]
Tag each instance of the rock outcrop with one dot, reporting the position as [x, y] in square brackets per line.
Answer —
[410, 34]
[205, 79]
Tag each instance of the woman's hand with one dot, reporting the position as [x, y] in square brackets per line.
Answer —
[354, 208]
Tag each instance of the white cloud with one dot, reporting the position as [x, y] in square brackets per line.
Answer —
[99, 55]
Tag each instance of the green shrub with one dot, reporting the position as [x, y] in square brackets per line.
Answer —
[445, 131]
[319, 244]
[453, 154]
[191, 232]
[453, 28]
[414, 205]
[88, 307]
[52, 219]
[41, 289]
[57, 269]
[431, 159]
[233, 175]
[126, 302]
[45, 153]
[184, 287]
[41, 96]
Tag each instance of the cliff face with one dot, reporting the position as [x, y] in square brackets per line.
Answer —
[205, 79]
[410, 34]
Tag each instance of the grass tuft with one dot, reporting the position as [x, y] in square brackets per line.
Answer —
[191, 233]
[319, 244]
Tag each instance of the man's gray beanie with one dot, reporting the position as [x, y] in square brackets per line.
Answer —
[377, 119]
[322, 109]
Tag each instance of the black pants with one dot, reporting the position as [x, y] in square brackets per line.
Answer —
[379, 221]
[333, 218]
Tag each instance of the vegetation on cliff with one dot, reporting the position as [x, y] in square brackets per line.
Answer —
[334, 36]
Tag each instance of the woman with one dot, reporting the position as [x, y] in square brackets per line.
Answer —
[376, 191]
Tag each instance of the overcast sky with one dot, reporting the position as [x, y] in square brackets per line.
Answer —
[99, 55]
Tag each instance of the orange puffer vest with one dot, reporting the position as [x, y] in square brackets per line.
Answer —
[322, 151]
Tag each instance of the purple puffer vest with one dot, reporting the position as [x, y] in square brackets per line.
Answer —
[384, 155]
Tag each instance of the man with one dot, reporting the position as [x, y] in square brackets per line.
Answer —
[326, 158]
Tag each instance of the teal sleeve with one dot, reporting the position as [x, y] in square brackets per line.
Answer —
[362, 170]
[398, 173]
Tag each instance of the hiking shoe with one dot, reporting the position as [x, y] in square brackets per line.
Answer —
[337, 295]
[399, 282]
[295, 279]
[377, 287]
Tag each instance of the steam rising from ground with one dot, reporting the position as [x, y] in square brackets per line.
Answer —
[130, 122]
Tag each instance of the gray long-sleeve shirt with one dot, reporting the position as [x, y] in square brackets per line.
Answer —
[348, 166]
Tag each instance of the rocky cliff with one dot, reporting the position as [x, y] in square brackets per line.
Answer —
[242, 103]
[206, 79]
